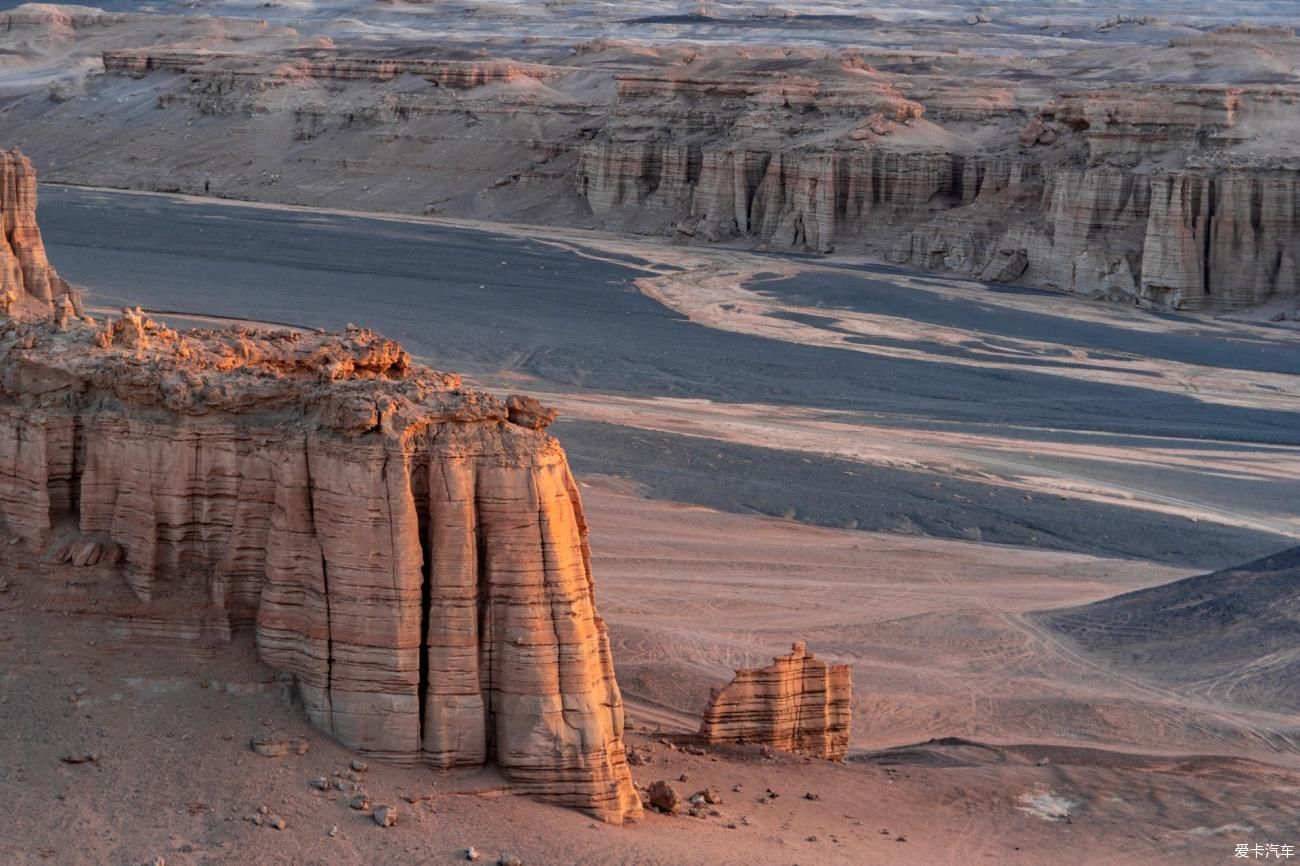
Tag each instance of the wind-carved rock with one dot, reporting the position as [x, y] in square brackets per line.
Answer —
[29, 287]
[418, 562]
[799, 703]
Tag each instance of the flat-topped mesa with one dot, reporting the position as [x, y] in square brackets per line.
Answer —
[416, 559]
[29, 287]
[799, 703]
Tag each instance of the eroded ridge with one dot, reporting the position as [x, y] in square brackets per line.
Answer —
[416, 560]
[799, 703]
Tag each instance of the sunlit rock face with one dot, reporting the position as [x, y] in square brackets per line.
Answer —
[28, 285]
[413, 556]
[799, 703]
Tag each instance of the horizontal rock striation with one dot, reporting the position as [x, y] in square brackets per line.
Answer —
[799, 703]
[416, 560]
[1159, 194]
[1170, 185]
[325, 65]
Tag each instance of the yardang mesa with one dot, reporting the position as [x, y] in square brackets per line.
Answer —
[654, 433]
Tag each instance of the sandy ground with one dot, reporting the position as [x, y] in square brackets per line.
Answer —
[977, 736]
[933, 628]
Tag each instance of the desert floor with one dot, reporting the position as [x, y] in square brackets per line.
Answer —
[895, 468]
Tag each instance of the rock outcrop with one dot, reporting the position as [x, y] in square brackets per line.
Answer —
[416, 560]
[413, 552]
[799, 703]
[28, 285]
[1172, 184]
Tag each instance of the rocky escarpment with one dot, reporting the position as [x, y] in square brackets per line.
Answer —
[1159, 194]
[1155, 170]
[412, 552]
[418, 562]
[1180, 194]
[28, 285]
[799, 703]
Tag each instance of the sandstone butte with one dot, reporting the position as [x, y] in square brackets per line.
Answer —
[412, 552]
[799, 703]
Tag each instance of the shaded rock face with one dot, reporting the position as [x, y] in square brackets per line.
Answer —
[1130, 192]
[416, 561]
[799, 703]
[28, 285]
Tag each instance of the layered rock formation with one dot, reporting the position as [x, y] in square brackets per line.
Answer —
[799, 703]
[28, 285]
[416, 560]
[413, 552]
[1153, 169]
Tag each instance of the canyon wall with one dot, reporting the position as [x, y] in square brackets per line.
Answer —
[1161, 172]
[799, 703]
[1067, 204]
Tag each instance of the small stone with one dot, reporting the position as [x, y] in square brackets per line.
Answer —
[472, 854]
[711, 796]
[385, 816]
[264, 810]
[277, 823]
[812, 838]
[359, 802]
[257, 819]
[900, 839]
[360, 766]
[811, 796]
[665, 798]
[157, 861]
[334, 831]
[772, 795]
[342, 785]
[320, 783]
[683, 778]
[509, 860]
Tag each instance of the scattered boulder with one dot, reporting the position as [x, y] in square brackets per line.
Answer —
[664, 798]
[385, 816]
[359, 802]
[1006, 266]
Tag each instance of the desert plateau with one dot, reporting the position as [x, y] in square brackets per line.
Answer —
[649, 434]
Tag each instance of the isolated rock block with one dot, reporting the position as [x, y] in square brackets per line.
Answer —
[799, 703]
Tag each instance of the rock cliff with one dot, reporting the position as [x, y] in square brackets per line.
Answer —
[799, 703]
[1145, 162]
[28, 285]
[415, 558]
